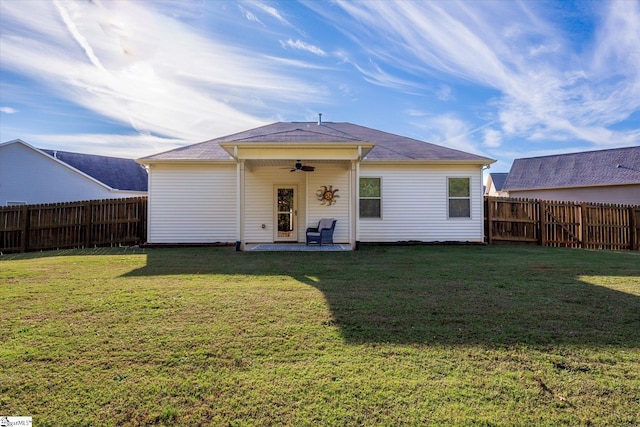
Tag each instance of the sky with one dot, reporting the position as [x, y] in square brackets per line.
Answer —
[502, 79]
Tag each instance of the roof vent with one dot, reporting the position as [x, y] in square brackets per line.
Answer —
[319, 119]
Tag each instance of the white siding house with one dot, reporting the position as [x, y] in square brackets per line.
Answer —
[415, 204]
[195, 204]
[602, 176]
[31, 176]
[495, 184]
[269, 184]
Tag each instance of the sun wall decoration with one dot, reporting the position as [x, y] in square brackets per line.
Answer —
[327, 195]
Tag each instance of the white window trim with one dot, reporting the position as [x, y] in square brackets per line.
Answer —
[371, 218]
[460, 218]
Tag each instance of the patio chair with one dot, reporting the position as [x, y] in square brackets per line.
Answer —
[323, 233]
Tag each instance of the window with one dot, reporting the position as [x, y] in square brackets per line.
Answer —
[459, 198]
[370, 198]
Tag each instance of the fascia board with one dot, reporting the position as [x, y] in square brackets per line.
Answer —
[150, 162]
[427, 162]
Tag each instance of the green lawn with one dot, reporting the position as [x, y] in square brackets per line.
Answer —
[413, 335]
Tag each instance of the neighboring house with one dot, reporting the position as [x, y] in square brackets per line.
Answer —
[270, 183]
[604, 176]
[495, 182]
[31, 176]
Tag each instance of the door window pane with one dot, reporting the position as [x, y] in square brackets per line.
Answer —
[285, 212]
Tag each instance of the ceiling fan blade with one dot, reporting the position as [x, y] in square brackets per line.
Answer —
[308, 168]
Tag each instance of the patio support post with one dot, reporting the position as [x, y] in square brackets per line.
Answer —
[240, 191]
[355, 198]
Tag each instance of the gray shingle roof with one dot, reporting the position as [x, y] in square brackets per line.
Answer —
[618, 166]
[388, 146]
[117, 173]
[498, 179]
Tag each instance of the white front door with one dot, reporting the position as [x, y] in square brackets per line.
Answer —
[286, 215]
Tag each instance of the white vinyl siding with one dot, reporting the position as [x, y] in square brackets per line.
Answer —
[415, 205]
[31, 176]
[259, 201]
[192, 204]
[198, 203]
[339, 178]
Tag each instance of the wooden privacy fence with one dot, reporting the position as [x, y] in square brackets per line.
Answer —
[562, 224]
[83, 224]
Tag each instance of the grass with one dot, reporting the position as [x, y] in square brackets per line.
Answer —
[421, 335]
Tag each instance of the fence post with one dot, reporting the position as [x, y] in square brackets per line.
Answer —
[542, 207]
[87, 224]
[633, 229]
[142, 223]
[24, 233]
[583, 225]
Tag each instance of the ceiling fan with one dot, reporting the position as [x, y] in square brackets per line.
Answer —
[299, 167]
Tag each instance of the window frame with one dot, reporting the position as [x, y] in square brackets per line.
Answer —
[450, 198]
[360, 197]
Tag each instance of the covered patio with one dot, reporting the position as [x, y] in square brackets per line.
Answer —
[297, 247]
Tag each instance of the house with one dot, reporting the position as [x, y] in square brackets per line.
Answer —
[29, 175]
[603, 176]
[269, 184]
[495, 182]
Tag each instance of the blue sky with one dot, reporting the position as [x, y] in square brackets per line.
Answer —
[504, 79]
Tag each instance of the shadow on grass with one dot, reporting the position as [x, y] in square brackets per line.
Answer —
[456, 295]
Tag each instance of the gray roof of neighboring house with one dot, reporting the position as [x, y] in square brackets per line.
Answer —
[388, 146]
[498, 179]
[117, 173]
[618, 166]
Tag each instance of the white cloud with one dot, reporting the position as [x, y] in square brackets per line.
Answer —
[126, 146]
[547, 88]
[492, 138]
[8, 110]
[374, 74]
[77, 35]
[444, 93]
[447, 130]
[100, 57]
[250, 16]
[271, 11]
[300, 45]
[345, 89]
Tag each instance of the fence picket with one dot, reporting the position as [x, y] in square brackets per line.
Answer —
[108, 222]
[562, 224]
